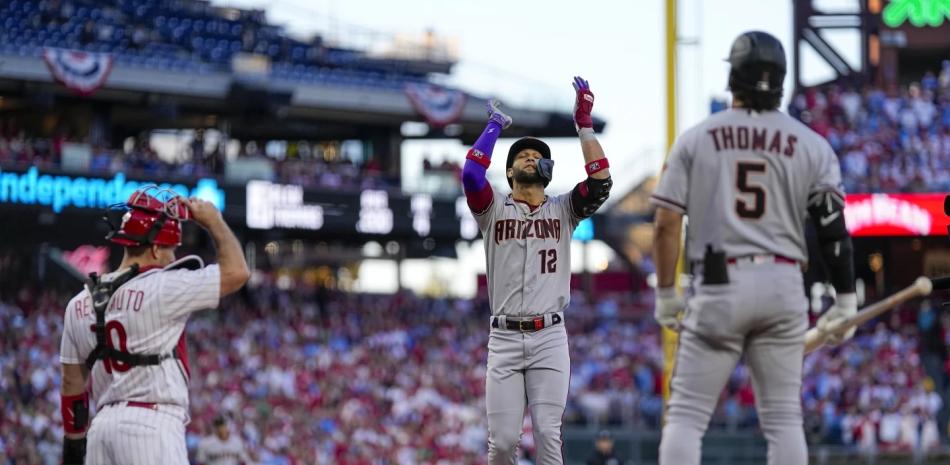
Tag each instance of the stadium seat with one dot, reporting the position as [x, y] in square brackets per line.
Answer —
[186, 39]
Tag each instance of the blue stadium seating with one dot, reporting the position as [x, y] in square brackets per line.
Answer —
[184, 37]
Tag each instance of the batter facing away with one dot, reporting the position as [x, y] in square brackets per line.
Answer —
[527, 238]
[126, 332]
[747, 178]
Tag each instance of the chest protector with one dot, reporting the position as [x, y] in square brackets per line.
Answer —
[101, 293]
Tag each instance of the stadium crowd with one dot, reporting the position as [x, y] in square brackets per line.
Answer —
[299, 164]
[311, 375]
[887, 140]
[873, 394]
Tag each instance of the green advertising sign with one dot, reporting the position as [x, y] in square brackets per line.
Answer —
[919, 13]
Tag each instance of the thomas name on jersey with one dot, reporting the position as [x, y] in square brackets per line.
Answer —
[544, 228]
[746, 138]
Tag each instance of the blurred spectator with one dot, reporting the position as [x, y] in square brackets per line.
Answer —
[933, 353]
[140, 37]
[198, 147]
[89, 33]
[221, 448]
[604, 450]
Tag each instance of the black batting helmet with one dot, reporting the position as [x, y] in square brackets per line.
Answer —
[527, 143]
[758, 64]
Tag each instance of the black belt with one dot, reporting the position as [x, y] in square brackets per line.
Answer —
[527, 326]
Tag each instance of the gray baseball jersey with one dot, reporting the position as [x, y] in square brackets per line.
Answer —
[212, 450]
[761, 167]
[529, 274]
[744, 180]
[528, 254]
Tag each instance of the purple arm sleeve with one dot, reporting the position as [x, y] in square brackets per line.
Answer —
[478, 191]
[473, 176]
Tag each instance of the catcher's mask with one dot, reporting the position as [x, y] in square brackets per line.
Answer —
[150, 216]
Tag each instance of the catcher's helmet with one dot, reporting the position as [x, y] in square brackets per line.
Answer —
[535, 144]
[150, 216]
[758, 63]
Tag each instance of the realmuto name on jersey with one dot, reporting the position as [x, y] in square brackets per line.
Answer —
[753, 138]
[543, 228]
[122, 300]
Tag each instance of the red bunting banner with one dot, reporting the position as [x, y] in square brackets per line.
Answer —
[81, 72]
[438, 105]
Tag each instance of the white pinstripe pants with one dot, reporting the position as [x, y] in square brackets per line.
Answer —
[124, 435]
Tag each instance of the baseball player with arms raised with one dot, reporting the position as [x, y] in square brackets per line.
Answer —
[747, 178]
[527, 238]
[125, 331]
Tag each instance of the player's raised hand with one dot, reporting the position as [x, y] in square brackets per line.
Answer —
[495, 114]
[203, 212]
[583, 104]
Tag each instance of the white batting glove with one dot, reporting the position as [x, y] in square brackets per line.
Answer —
[668, 307]
[846, 305]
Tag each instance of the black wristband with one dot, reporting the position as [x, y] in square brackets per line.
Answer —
[74, 451]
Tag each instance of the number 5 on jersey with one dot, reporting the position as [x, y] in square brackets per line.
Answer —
[756, 208]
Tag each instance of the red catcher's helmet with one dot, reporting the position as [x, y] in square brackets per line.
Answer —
[150, 216]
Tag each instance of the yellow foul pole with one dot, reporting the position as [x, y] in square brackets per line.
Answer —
[670, 338]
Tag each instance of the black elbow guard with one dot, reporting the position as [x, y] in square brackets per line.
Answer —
[827, 213]
[589, 195]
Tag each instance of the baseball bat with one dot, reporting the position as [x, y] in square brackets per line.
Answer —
[815, 338]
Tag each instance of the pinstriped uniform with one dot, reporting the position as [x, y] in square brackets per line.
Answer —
[135, 435]
[146, 315]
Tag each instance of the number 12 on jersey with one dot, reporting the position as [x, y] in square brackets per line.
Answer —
[548, 260]
[756, 208]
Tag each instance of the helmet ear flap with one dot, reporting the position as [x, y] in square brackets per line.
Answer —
[546, 170]
[115, 216]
